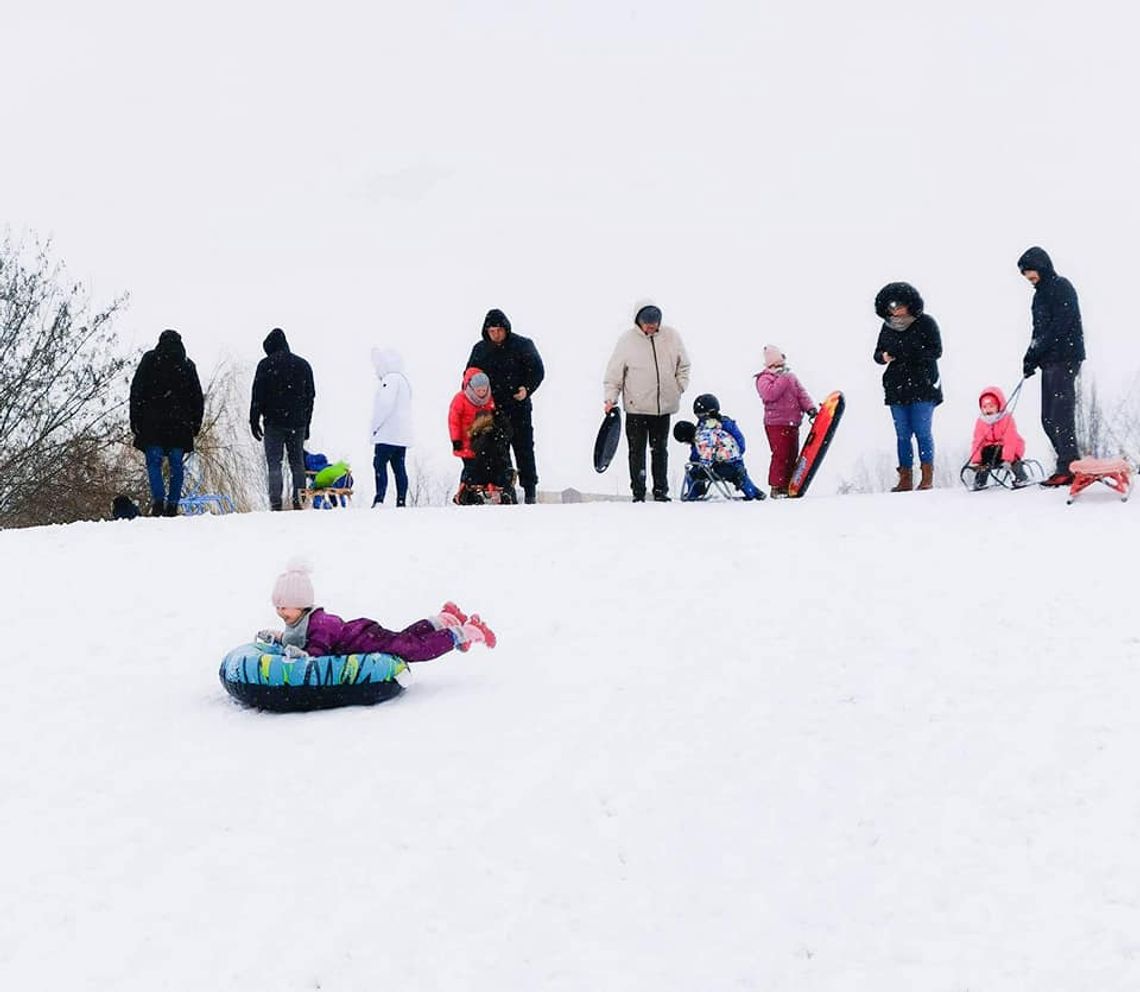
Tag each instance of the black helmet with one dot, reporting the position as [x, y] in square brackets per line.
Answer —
[706, 404]
[684, 431]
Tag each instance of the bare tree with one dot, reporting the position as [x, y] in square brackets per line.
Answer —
[1092, 425]
[62, 389]
[428, 487]
[227, 460]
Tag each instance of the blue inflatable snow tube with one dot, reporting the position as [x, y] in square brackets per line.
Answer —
[260, 675]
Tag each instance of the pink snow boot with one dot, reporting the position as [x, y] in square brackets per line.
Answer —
[451, 610]
[473, 631]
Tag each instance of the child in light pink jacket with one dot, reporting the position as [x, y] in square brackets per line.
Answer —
[785, 403]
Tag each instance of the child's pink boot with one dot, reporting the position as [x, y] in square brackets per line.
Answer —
[450, 609]
[475, 630]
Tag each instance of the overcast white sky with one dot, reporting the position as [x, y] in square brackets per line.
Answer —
[382, 173]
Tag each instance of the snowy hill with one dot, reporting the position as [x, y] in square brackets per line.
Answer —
[848, 743]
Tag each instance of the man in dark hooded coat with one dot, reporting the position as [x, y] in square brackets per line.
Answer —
[513, 365]
[166, 409]
[1057, 348]
[280, 412]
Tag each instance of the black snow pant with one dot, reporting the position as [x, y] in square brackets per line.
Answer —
[1059, 410]
[291, 440]
[522, 441]
[639, 428]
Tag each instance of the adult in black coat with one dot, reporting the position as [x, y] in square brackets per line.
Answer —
[909, 346]
[1057, 348]
[166, 409]
[513, 365]
[280, 412]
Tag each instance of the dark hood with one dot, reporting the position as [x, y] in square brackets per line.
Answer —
[1038, 260]
[170, 345]
[898, 292]
[496, 318]
[275, 341]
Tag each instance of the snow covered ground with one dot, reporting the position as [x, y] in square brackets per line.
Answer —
[849, 743]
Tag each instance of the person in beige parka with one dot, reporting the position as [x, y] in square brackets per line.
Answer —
[649, 368]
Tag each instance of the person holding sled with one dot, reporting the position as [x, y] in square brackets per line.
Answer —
[166, 409]
[482, 440]
[1057, 348]
[785, 403]
[996, 440]
[716, 451]
[309, 630]
[649, 368]
[515, 369]
[909, 345]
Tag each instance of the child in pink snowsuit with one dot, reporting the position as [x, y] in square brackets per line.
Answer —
[785, 403]
[309, 630]
[996, 439]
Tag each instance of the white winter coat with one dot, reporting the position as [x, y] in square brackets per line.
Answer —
[650, 371]
[392, 408]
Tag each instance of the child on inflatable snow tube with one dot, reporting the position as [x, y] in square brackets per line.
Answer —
[309, 630]
[320, 660]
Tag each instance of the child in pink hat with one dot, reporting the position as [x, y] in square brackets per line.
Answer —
[309, 630]
[785, 403]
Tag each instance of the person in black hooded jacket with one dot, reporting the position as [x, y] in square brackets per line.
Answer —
[1057, 348]
[513, 365]
[166, 409]
[280, 412]
[909, 345]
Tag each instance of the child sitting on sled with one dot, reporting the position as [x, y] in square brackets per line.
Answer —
[785, 403]
[309, 630]
[716, 449]
[996, 440]
[481, 436]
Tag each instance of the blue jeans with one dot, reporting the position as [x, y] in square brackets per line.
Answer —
[154, 455]
[382, 456]
[914, 419]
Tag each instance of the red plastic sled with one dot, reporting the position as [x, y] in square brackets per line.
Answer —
[816, 443]
[1115, 473]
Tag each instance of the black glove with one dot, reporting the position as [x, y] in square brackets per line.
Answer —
[813, 413]
[255, 430]
[456, 445]
[1028, 367]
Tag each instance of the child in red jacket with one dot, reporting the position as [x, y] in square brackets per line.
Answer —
[996, 440]
[480, 438]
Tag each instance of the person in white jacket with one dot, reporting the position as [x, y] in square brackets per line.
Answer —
[391, 423]
[650, 369]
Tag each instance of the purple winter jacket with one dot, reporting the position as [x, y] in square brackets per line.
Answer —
[785, 400]
[329, 634]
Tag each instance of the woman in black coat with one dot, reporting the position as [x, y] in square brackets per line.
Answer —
[909, 346]
[166, 416]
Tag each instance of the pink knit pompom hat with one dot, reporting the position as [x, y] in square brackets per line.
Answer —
[773, 355]
[293, 588]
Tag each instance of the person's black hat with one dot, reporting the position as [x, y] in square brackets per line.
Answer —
[898, 294]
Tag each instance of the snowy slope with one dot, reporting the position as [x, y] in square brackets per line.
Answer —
[848, 743]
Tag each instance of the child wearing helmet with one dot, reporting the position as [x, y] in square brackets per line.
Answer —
[785, 403]
[717, 447]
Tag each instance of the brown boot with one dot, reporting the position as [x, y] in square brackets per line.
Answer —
[927, 481]
[906, 482]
